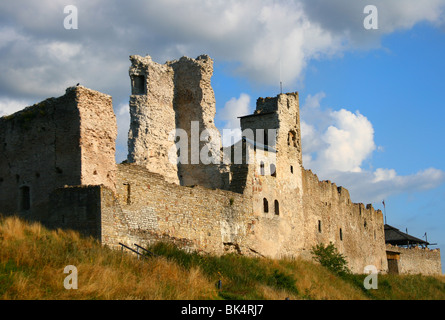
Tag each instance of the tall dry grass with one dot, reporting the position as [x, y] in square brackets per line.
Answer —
[32, 261]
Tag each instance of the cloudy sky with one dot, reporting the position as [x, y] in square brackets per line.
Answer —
[372, 100]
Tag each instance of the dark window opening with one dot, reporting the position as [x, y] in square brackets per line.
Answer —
[128, 193]
[319, 226]
[273, 170]
[262, 168]
[341, 235]
[291, 169]
[138, 85]
[265, 205]
[292, 139]
[277, 208]
[25, 198]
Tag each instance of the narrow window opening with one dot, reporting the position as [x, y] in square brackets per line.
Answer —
[341, 235]
[277, 208]
[262, 168]
[291, 169]
[138, 85]
[273, 170]
[265, 205]
[127, 193]
[292, 139]
[319, 226]
[25, 198]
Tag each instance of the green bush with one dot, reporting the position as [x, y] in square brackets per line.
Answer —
[329, 257]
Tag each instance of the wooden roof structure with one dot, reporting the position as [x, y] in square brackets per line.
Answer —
[398, 238]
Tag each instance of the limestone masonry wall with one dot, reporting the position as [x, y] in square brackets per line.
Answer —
[57, 166]
[417, 260]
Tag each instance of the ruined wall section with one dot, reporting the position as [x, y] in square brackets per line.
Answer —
[98, 132]
[39, 152]
[330, 216]
[152, 117]
[52, 144]
[196, 218]
[418, 260]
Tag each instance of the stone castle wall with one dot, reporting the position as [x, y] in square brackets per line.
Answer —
[151, 208]
[417, 260]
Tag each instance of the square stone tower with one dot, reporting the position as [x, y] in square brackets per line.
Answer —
[276, 123]
[64, 141]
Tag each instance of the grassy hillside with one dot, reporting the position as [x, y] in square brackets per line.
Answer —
[32, 261]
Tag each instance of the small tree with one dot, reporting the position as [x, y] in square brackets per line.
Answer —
[329, 257]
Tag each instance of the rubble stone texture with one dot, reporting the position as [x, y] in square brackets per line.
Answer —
[175, 96]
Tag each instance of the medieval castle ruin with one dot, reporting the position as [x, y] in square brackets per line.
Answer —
[57, 166]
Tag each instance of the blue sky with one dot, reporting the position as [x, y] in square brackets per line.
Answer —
[372, 101]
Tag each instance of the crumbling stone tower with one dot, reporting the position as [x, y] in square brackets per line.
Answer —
[174, 105]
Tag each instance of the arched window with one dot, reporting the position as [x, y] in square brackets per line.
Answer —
[273, 170]
[277, 208]
[319, 226]
[265, 205]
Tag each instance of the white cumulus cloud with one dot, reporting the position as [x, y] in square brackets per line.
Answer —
[234, 108]
[336, 144]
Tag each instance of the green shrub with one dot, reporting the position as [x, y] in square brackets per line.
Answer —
[329, 257]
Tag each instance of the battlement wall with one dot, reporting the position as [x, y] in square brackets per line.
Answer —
[357, 231]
